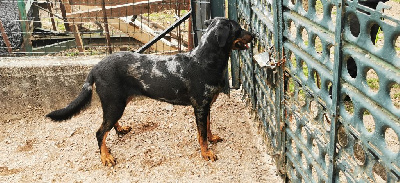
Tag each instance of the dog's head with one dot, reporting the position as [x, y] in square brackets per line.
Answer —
[228, 32]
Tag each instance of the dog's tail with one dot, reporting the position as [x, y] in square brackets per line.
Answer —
[77, 105]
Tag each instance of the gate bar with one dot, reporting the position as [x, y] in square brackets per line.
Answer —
[166, 31]
[280, 99]
[337, 72]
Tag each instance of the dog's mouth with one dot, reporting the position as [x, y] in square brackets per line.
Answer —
[240, 44]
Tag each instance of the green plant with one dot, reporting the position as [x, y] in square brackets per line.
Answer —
[72, 54]
[319, 7]
[373, 83]
[305, 69]
[348, 105]
[379, 35]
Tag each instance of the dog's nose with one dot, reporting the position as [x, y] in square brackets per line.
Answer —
[253, 35]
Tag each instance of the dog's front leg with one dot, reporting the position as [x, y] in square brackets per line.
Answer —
[212, 138]
[201, 121]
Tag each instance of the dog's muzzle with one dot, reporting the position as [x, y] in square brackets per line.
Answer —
[241, 43]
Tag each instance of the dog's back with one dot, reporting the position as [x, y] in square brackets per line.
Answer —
[165, 78]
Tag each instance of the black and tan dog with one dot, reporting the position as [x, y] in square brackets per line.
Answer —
[195, 78]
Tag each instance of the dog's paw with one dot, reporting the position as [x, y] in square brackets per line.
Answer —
[209, 155]
[123, 130]
[108, 160]
[215, 139]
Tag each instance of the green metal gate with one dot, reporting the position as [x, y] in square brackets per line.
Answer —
[325, 86]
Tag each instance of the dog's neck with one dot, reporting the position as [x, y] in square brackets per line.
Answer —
[210, 54]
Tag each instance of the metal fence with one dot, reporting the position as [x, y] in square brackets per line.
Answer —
[73, 27]
[323, 78]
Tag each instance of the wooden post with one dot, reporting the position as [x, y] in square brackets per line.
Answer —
[49, 6]
[73, 27]
[64, 15]
[78, 38]
[103, 6]
[5, 37]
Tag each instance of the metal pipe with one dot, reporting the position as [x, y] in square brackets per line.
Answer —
[166, 31]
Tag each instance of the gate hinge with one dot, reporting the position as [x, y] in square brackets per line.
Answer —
[282, 61]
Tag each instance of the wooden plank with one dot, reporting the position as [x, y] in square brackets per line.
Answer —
[122, 2]
[78, 38]
[127, 9]
[107, 2]
[143, 20]
[5, 37]
[134, 31]
[103, 7]
[55, 48]
[190, 36]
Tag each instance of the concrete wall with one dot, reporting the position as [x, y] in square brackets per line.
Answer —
[31, 86]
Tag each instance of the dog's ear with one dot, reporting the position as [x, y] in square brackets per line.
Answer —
[222, 34]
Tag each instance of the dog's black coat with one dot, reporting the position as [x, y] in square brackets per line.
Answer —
[193, 78]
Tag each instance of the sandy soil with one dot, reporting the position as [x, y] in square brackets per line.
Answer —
[162, 147]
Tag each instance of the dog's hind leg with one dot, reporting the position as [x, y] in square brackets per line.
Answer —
[122, 130]
[112, 112]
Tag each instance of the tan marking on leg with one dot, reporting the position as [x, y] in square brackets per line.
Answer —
[129, 99]
[214, 99]
[205, 152]
[105, 155]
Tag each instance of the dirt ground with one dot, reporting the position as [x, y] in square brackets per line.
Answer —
[162, 147]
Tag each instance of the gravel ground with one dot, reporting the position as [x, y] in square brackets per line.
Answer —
[162, 147]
